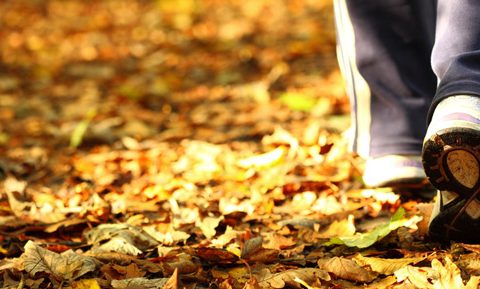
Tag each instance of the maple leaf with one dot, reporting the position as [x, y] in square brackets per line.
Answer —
[65, 266]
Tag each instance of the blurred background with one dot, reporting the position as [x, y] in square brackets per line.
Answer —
[84, 73]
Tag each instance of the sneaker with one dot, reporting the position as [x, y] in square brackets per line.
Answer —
[455, 218]
[394, 171]
[451, 158]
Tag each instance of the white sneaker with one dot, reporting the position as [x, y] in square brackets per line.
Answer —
[394, 170]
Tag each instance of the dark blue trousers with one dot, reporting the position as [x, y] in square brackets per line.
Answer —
[399, 59]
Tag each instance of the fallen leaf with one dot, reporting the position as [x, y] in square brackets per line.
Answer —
[367, 239]
[208, 226]
[280, 280]
[347, 269]
[386, 266]
[86, 284]
[225, 238]
[65, 266]
[268, 159]
[251, 246]
[139, 283]
[215, 255]
[172, 282]
[277, 241]
[342, 228]
[439, 276]
[120, 238]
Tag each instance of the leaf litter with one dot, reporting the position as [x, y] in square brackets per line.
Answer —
[186, 143]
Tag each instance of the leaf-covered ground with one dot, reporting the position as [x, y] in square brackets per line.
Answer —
[193, 144]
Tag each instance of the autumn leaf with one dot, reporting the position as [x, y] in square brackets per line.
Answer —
[439, 276]
[208, 226]
[386, 266]
[172, 282]
[364, 240]
[265, 160]
[139, 283]
[344, 228]
[222, 240]
[85, 284]
[251, 246]
[346, 269]
[65, 266]
[280, 280]
[121, 238]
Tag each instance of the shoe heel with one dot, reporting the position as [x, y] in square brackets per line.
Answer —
[451, 160]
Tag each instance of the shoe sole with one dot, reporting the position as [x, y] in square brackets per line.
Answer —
[451, 159]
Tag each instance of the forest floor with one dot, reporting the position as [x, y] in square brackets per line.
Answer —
[194, 144]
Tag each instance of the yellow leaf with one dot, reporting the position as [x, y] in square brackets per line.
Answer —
[386, 266]
[440, 276]
[265, 160]
[86, 284]
[339, 228]
[208, 225]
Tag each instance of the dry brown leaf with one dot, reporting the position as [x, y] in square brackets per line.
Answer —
[215, 255]
[120, 238]
[278, 242]
[386, 266]
[139, 283]
[280, 280]
[439, 276]
[347, 269]
[172, 282]
[251, 246]
[65, 266]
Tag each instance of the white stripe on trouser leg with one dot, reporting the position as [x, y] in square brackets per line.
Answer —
[357, 87]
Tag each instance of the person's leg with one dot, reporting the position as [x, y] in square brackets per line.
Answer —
[451, 153]
[384, 53]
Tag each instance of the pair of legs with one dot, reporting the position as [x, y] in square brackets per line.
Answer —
[412, 69]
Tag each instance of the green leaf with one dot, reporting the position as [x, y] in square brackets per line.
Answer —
[364, 240]
[79, 132]
[298, 101]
